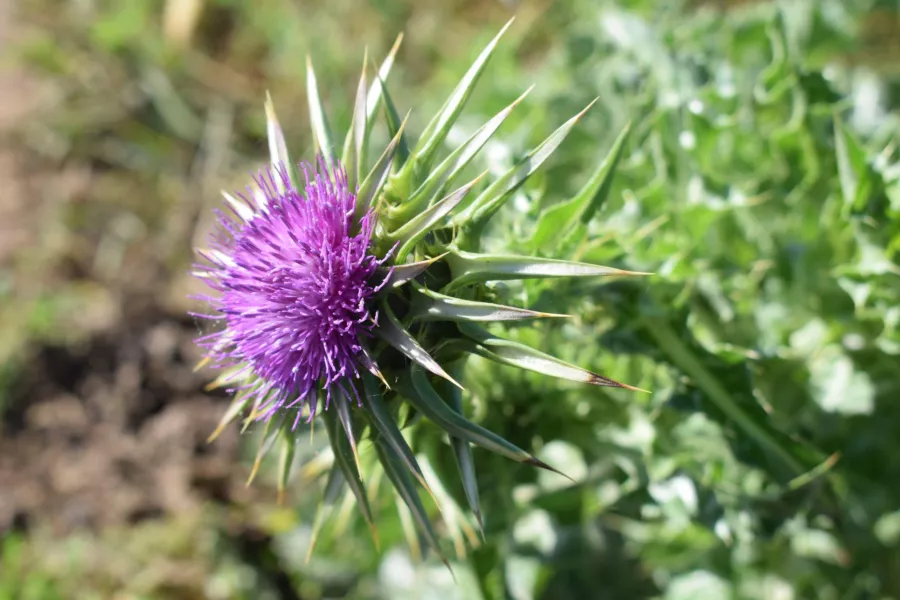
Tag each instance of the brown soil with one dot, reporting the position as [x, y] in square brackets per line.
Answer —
[113, 431]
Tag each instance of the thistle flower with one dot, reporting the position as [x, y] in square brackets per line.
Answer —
[365, 285]
[295, 282]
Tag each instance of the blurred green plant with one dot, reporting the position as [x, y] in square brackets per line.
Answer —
[759, 180]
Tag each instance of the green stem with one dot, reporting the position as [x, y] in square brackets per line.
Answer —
[685, 360]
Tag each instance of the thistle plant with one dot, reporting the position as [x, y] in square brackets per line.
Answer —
[351, 293]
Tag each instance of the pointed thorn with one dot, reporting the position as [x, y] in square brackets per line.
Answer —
[217, 432]
[256, 463]
[248, 421]
[606, 382]
[451, 380]
[375, 536]
[214, 384]
[396, 45]
[317, 529]
[449, 568]
[203, 362]
[541, 464]
[587, 108]
[470, 534]
[543, 315]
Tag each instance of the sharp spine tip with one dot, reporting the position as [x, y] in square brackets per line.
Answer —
[541, 464]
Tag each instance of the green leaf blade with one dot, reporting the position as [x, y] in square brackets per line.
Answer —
[524, 357]
[490, 200]
[439, 126]
[394, 334]
[317, 118]
[438, 307]
[468, 267]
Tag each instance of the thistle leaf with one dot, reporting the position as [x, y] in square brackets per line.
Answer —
[395, 125]
[518, 355]
[468, 268]
[237, 406]
[288, 450]
[384, 423]
[333, 488]
[422, 396]
[395, 470]
[432, 306]
[393, 333]
[342, 405]
[344, 458]
[401, 274]
[444, 174]
[318, 121]
[416, 228]
[373, 99]
[278, 153]
[374, 181]
[462, 452]
[413, 538]
[491, 199]
[354, 156]
[265, 446]
[241, 208]
[560, 218]
[455, 521]
[440, 125]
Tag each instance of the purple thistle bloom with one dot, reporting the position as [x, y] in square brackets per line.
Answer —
[294, 280]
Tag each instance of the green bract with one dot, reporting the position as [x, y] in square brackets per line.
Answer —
[432, 311]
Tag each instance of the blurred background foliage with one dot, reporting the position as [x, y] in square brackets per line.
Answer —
[759, 181]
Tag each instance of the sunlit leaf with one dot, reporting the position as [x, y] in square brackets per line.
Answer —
[469, 268]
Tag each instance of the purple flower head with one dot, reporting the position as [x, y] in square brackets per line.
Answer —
[294, 278]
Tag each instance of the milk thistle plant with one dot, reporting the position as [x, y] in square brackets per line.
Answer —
[351, 293]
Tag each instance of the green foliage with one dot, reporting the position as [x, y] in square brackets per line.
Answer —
[734, 154]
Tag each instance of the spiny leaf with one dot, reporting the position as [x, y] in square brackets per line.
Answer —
[373, 100]
[416, 228]
[394, 124]
[394, 334]
[278, 152]
[333, 488]
[265, 445]
[454, 520]
[438, 307]
[240, 207]
[342, 405]
[382, 420]
[288, 448]
[343, 456]
[444, 174]
[401, 274]
[354, 156]
[440, 125]
[421, 395]
[372, 367]
[583, 206]
[374, 181]
[491, 199]
[462, 452]
[413, 538]
[237, 406]
[406, 489]
[318, 121]
[518, 355]
[468, 268]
